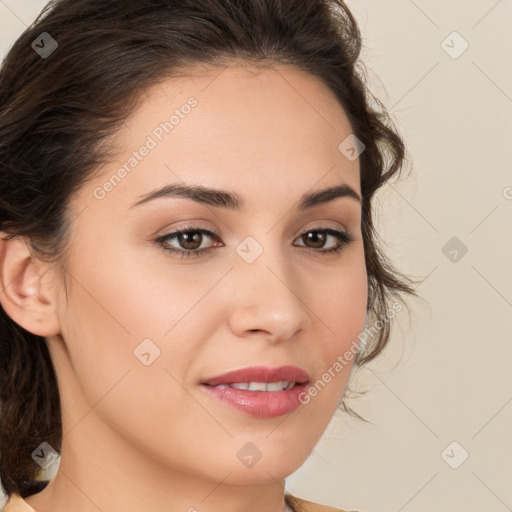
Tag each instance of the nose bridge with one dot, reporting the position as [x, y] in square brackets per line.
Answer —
[268, 293]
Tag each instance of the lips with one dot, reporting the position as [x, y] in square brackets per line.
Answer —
[260, 374]
[258, 404]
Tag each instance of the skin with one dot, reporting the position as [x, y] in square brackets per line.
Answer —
[142, 437]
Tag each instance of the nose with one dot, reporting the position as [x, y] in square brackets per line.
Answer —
[267, 299]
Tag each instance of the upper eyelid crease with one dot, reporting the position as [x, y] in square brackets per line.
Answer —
[231, 200]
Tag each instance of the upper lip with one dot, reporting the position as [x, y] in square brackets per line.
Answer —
[260, 374]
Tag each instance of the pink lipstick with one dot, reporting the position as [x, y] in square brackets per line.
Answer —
[260, 391]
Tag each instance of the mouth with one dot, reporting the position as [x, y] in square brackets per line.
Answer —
[260, 392]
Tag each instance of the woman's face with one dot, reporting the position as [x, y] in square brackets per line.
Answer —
[142, 327]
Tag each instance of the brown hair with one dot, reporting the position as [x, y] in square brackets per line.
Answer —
[57, 113]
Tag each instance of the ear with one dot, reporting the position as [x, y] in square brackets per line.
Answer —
[26, 292]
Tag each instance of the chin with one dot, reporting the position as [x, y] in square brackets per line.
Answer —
[260, 474]
[270, 467]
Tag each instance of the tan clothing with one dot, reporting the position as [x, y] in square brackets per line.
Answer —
[300, 505]
[17, 504]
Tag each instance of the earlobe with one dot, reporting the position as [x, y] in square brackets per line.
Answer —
[26, 293]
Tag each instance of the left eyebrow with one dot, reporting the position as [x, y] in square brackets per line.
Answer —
[231, 200]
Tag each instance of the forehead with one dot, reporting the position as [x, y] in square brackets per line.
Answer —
[236, 127]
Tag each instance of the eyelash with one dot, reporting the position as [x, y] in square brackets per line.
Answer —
[344, 238]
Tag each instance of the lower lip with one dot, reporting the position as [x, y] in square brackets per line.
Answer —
[260, 404]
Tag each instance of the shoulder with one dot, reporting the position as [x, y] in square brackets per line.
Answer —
[17, 504]
[300, 505]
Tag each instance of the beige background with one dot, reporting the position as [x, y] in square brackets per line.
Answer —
[447, 374]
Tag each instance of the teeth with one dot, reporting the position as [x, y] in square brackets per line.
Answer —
[260, 386]
[257, 386]
[276, 386]
[244, 385]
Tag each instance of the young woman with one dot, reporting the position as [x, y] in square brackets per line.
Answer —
[188, 261]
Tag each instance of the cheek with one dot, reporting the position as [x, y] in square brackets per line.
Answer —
[340, 303]
[340, 299]
[131, 307]
[106, 323]
[132, 298]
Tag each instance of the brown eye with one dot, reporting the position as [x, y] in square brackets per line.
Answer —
[316, 239]
[188, 241]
